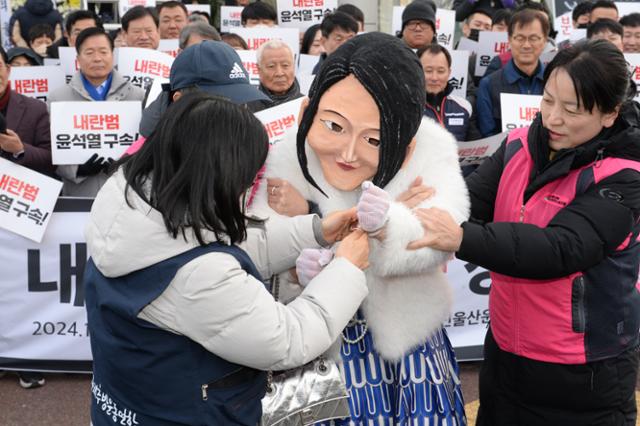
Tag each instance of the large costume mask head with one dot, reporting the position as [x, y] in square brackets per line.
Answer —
[365, 106]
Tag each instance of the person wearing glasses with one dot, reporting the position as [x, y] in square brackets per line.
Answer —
[418, 24]
[523, 74]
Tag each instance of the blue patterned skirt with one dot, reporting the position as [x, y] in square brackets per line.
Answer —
[422, 389]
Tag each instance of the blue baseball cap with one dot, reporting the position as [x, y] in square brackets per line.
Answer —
[216, 68]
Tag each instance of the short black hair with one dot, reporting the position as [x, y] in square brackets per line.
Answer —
[605, 4]
[139, 12]
[92, 32]
[581, 9]
[79, 15]
[354, 11]
[398, 91]
[605, 24]
[527, 16]
[598, 71]
[258, 10]
[170, 5]
[434, 49]
[195, 171]
[630, 20]
[501, 15]
[482, 11]
[41, 30]
[340, 20]
[307, 39]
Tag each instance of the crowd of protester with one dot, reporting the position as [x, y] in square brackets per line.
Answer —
[580, 240]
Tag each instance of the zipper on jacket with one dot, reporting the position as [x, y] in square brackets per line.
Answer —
[599, 157]
[522, 208]
[204, 392]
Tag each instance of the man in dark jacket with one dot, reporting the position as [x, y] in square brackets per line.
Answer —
[32, 13]
[73, 26]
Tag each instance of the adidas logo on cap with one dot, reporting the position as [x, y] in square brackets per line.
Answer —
[237, 72]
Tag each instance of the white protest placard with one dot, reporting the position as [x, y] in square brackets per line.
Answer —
[633, 59]
[578, 34]
[564, 26]
[51, 61]
[205, 8]
[305, 80]
[170, 46]
[37, 82]
[445, 25]
[124, 5]
[155, 90]
[27, 199]
[306, 63]
[250, 63]
[547, 57]
[303, 13]
[279, 119]
[490, 44]
[518, 110]
[230, 17]
[627, 7]
[140, 66]
[68, 62]
[468, 44]
[81, 129]
[256, 37]
[475, 152]
[459, 71]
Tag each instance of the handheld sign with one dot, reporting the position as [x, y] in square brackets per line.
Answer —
[633, 59]
[140, 66]
[303, 13]
[155, 90]
[468, 44]
[305, 81]
[518, 110]
[627, 7]
[459, 71]
[27, 199]
[68, 62]
[170, 46]
[306, 63]
[564, 26]
[279, 119]
[256, 37]
[81, 129]
[490, 44]
[230, 17]
[475, 152]
[248, 58]
[37, 82]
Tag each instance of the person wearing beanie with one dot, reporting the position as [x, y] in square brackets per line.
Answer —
[362, 142]
[419, 24]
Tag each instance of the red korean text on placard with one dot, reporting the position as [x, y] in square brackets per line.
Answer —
[96, 122]
[15, 186]
[146, 66]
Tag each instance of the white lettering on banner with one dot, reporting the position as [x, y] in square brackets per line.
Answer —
[81, 129]
[230, 17]
[459, 71]
[123, 416]
[564, 26]
[303, 13]
[280, 119]
[68, 62]
[37, 82]
[256, 37]
[170, 46]
[445, 25]
[490, 44]
[475, 152]
[124, 5]
[633, 59]
[140, 66]
[518, 110]
[250, 63]
[27, 199]
[42, 313]
[155, 90]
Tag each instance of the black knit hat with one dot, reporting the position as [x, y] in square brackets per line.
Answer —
[423, 10]
[396, 86]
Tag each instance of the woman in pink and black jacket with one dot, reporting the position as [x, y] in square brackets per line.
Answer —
[555, 219]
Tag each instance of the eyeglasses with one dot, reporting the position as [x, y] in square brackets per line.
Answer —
[534, 39]
[413, 25]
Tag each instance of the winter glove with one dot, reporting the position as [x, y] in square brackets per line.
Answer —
[372, 207]
[310, 263]
[108, 165]
[92, 166]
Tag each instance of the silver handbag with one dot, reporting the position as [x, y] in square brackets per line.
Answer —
[305, 395]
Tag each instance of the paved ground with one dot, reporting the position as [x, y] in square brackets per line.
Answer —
[64, 400]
